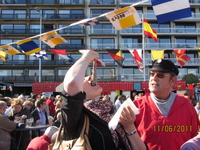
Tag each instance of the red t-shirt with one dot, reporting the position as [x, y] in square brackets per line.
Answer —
[170, 132]
[51, 105]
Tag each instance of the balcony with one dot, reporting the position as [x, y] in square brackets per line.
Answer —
[102, 31]
[45, 16]
[25, 63]
[172, 46]
[163, 31]
[102, 46]
[102, 2]
[31, 78]
[72, 2]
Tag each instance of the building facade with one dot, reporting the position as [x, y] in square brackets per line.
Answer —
[20, 19]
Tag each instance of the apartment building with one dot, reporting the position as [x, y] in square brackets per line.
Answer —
[20, 19]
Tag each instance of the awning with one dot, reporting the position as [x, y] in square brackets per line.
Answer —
[6, 84]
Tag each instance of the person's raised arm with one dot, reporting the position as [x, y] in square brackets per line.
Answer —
[73, 81]
[127, 119]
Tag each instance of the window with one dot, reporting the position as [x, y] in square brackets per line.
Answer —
[97, 12]
[133, 29]
[103, 29]
[44, 72]
[185, 43]
[5, 72]
[62, 72]
[18, 72]
[185, 28]
[131, 42]
[72, 43]
[104, 43]
[163, 28]
[35, 28]
[102, 2]
[45, 14]
[70, 2]
[73, 13]
[70, 30]
[104, 72]
[13, 28]
[15, 14]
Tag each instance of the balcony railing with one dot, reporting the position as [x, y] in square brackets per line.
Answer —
[72, 2]
[102, 46]
[108, 62]
[103, 31]
[159, 45]
[45, 16]
[35, 62]
[37, 31]
[31, 78]
[160, 31]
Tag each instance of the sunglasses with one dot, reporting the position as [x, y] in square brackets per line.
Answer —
[159, 75]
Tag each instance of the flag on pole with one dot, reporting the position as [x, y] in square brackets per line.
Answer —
[117, 56]
[52, 39]
[157, 54]
[62, 53]
[183, 59]
[169, 10]
[137, 55]
[198, 50]
[149, 31]
[9, 50]
[3, 55]
[90, 22]
[124, 17]
[29, 46]
[42, 55]
[112, 73]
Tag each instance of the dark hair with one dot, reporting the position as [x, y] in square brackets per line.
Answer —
[39, 101]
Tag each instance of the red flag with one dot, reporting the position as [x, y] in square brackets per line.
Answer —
[183, 59]
[137, 55]
[179, 51]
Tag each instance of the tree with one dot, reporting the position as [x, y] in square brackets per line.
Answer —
[190, 78]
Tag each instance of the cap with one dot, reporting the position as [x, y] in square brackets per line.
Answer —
[164, 65]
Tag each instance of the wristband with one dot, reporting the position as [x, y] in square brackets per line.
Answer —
[131, 133]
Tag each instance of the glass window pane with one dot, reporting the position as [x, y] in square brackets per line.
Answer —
[47, 72]
[5, 72]
[33, 72]
[62, 72]
[18, 72]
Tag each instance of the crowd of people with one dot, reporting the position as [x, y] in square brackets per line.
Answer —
[17, 110]
[166, 120]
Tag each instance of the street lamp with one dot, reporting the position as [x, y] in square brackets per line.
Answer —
[40, 62]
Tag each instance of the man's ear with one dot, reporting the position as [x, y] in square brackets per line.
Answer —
[173, 80]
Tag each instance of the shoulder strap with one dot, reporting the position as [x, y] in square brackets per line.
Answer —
[84, 130]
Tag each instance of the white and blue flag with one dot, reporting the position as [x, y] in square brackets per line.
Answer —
[40, 54]
[169, 10]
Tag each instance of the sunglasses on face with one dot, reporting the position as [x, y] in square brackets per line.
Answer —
[159, 75]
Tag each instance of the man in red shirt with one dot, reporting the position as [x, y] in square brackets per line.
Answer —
[42, 142]
[50, 103]
[166, 119]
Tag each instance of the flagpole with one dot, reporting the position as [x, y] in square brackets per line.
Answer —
[143, 47]
[40, 61]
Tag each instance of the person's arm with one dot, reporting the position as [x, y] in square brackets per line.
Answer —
[127, 119]
[73, 81]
